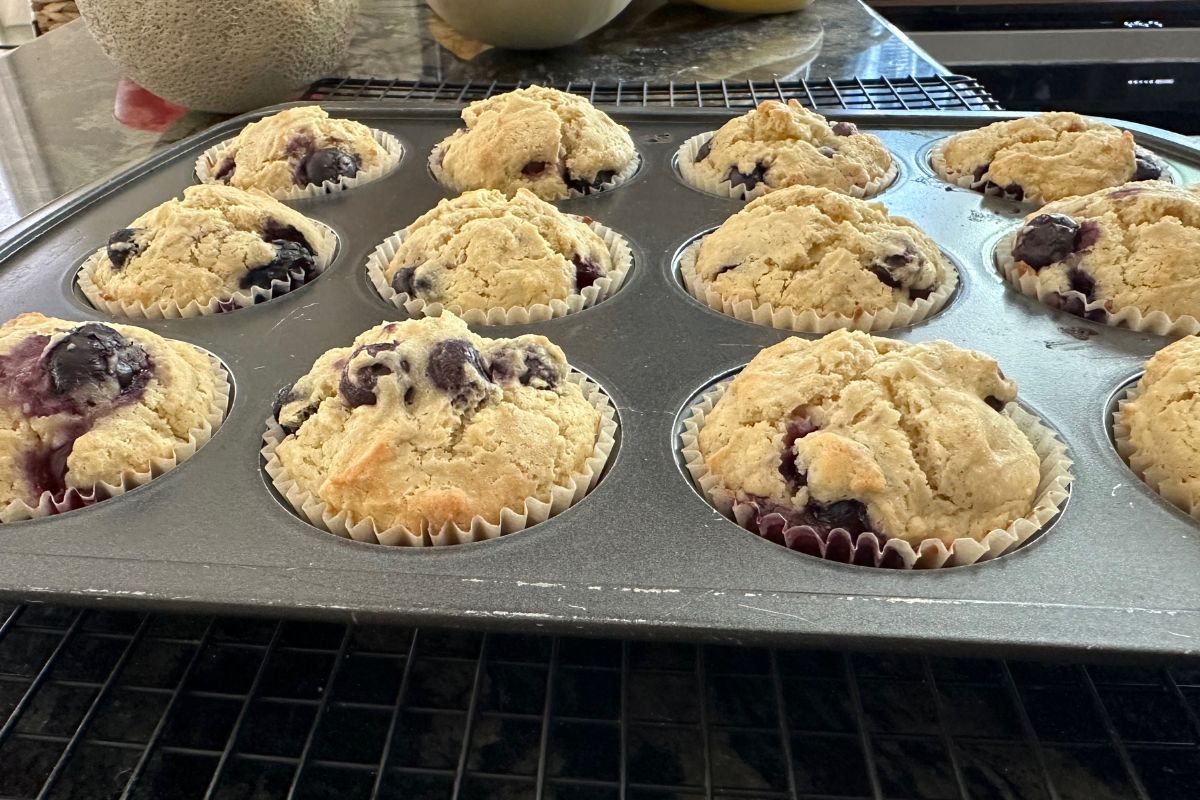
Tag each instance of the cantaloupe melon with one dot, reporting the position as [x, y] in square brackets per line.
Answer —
[222, 55]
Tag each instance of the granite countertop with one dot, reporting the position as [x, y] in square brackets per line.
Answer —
[58, 93]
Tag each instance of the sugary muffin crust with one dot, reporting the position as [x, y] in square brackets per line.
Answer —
[483, 250]
[216, 242]
[420, 423]
[84, 403]
[297, 147]
[1135, 245]
[1164, 424]
[543, 140]
[811, 248]
[787, 145]
[1046, 157]
[863, 433]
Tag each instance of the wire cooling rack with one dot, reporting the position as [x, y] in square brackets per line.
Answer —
[935, 93]
[126, 706]
[157, 707]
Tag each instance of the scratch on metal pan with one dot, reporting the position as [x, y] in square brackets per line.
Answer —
[777, 613]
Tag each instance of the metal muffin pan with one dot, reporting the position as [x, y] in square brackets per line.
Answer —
[643, 555]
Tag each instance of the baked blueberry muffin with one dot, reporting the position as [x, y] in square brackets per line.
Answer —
[549, 142]
[85, 404]
[297, 148]
[778, 145]
[217, 249]
[860, 433]
[1158, 430]
[422, 423]
[483, 250]
[1044, 157]
[812, 249]
[1137, 245]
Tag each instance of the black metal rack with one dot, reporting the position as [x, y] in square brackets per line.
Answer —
[97, 704]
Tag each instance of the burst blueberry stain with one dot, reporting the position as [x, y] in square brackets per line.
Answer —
[402, 281]
[738, 178]
[122, 246]
[704, 150]
[584, 186]
[1082, 281]
[293, 262]
[994, 402]
[796, 428]
[327, 164]
[456, 368]
[225, 170]
[1046, 239]
[1146, 167]
[274, 230]
[357, 385]
[844, 128]
[587, 272]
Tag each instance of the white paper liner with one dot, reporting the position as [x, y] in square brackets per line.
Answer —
[78, 498]
[626, 172]
[535, 509]
[937, 162]
[1140, 462]
[809, 321]
[1026, 281]
[685, 162]
[619, 253]
[868, 550]
[210, 159]
[167, 309]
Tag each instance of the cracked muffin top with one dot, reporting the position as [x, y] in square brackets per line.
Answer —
[1046, 157]
[422, 422]
[780, 145]
[543, 140]
[1135, 245]
[85, 403]
[295, 148]
[810, 248]
[216, 242]
[484, 250]
[870, 434]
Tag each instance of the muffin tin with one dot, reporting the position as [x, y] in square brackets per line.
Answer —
[643, 554]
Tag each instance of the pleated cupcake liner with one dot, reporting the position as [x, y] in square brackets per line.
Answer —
[810, 321]
[169, 309]
[79, 497]
[210, 160]
[622, 176]
[534, 509]
[1026, 281]
[871, 549]
[1142, 462]
[937, 162]
[685, 162]
[619, 252]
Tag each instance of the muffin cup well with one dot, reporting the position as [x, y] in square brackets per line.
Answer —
[1141, 463]
[618, 250]
[685, 162]
[626, 172]
[937, 162]
[74, 498]
[167, 309]
[870, 549]
[209, 160]
[809, 321]
[534, 510]
[1026, 282]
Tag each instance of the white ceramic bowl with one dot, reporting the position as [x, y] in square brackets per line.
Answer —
[527, 24]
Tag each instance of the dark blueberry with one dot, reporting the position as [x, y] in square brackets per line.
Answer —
[738, 178]
[1075, 305]
[274, 231]
[726, 268]
[228, 165]
[1046, 239]
[293, 262]
[994, 402]
[93, 355]
[456, 368]
[1146, 167]
[885, 277]
[1082, 281]
[587, 272]
[536, 367]
[849, 515]
[828, 152]
[122, 246]
[797, 428]
[282, 398]
[327, 164]
[535, 168]
[921, 294]
[357, 384]
[587, 187]
[844, 128]
[704, 150]
[892, 271]
[1014, 191]
[980, 171]
[402, 281]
